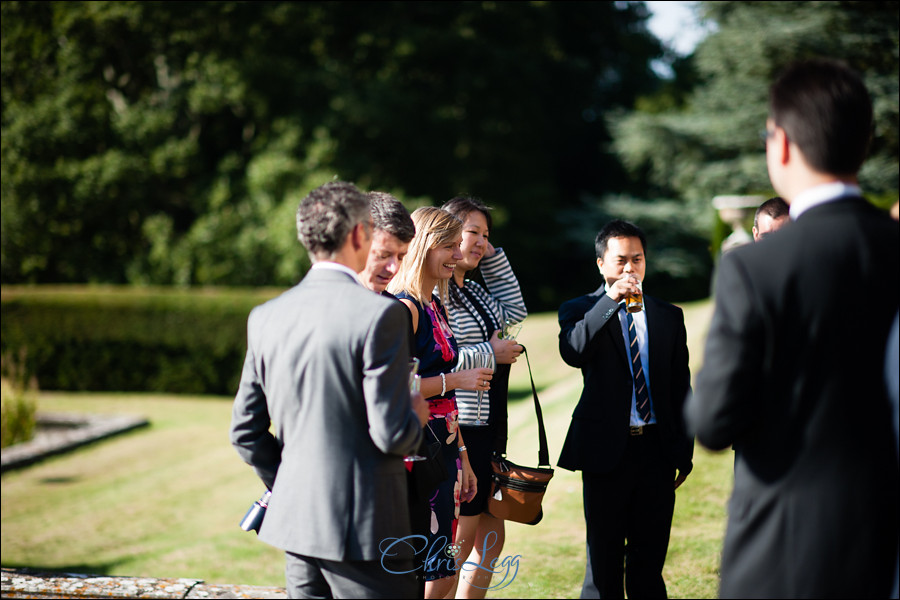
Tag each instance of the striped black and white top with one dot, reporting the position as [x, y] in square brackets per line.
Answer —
[501, 300]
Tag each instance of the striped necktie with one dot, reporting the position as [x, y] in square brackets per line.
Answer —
[641, 393]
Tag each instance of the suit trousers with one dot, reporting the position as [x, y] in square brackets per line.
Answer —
[310, 577]
[628, 517]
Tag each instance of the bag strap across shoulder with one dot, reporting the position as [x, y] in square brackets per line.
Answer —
[543, 452]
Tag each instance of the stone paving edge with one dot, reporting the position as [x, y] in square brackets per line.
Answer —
[28, 583]
[73, 431]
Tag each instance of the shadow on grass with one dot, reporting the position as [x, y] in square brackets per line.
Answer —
[59, 480]
[517, 395]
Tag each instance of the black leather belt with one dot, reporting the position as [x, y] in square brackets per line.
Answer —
[642, 429]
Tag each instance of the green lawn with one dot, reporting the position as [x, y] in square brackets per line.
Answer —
[165, 501]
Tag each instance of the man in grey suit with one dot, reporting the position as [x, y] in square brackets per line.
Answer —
[324, 413]
[793, 369]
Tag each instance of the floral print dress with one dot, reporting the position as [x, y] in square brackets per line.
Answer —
[437, 351]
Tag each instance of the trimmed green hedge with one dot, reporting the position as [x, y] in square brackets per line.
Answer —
[129, 339]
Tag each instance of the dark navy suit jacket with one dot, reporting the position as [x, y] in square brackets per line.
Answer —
[591, 339]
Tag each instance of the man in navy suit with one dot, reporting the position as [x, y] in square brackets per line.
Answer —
[793, 371]
[627, 436]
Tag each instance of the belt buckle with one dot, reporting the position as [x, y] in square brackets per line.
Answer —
[636, 429]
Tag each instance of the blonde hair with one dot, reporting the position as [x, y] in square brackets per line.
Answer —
[434, 227]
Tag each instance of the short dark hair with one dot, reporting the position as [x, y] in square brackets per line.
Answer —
[328, 214]
[462, 205]
[389, 214]
[774, 207]
[824, 108]
[618, 228]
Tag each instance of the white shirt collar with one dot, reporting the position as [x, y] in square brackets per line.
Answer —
[326, 264]
[821, 194]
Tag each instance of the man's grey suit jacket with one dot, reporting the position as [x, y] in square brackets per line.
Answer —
[328, 366]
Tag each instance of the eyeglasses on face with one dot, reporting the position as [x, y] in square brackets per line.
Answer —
[765, 134]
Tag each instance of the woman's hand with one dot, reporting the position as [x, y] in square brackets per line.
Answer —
[478, 379]
[505, 351]
[420, 407]
[469, 481]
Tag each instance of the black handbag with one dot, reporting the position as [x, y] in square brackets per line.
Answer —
[516, 491]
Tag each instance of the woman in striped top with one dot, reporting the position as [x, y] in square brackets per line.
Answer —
[477, 314]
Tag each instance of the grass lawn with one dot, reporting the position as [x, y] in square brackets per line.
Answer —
[165, 501]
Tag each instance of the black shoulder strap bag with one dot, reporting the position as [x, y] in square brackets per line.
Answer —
[517, 491]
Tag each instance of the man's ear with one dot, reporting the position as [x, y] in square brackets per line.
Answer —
[599, 264]
[358, 236]
[782, 145]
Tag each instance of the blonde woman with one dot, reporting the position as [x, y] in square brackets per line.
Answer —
[421, 284]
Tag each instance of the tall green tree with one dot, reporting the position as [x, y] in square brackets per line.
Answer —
[169, 143]
[699, 136]
[711, 145]
[128, 133]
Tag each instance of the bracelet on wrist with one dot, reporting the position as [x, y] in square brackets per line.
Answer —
[443, 384]
[462, 449]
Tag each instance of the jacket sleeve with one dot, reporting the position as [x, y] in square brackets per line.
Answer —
[681, 388]
[393, 426]
[250, 422]
[721, 405]
[579, 321]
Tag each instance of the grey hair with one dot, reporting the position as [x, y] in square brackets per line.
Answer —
[389, 215]
[328, 214]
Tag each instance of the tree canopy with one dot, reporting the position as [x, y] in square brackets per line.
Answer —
[687, 143]
[170, 142]
[711, 144]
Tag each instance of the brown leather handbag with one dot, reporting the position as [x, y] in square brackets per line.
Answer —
[516, 491]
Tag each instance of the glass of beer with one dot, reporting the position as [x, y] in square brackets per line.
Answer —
[634, 302]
